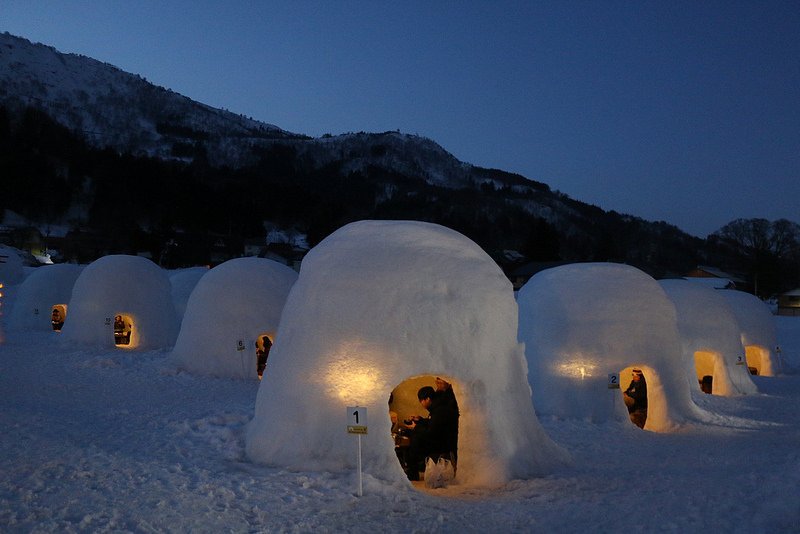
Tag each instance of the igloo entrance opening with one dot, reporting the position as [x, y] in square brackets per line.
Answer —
[755, 356]
[704, 363]
[263, 346]
[635, 395]
[123, 329]
[57, 316]
[424, 415]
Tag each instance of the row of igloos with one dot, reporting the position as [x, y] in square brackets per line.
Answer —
[124, 328]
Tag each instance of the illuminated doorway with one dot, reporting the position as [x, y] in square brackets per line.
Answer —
[263, 346]
[57, 316]
[634, 395]
[758, 362]
[415, 439]
[705, 362]
[123, 330]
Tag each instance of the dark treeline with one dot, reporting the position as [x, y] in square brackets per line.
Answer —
[51, 176]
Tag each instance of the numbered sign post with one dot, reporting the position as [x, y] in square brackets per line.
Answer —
[613, 383]
[357, 424]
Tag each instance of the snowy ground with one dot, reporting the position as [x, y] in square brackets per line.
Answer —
[119, 441]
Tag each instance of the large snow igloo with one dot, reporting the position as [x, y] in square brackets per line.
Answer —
[231, 308]
[582, 323]
[378, 303]
[127, 289]
[757, 329]
[712, 346]
[46, 291]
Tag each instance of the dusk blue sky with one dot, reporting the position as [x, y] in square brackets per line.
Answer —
[687, 112]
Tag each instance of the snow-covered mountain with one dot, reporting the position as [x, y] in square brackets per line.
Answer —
[110, 107]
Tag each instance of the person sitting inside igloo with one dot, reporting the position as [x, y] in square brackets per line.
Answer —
[436, 436]
[636, 398]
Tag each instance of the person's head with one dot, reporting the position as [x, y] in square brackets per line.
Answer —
[425, 396]
[636, 374]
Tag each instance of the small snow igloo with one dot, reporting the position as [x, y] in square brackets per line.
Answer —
[585, 324]
[378, 303]
[712, 346]
[42, 299]
[122, 301]
[232, 308]
[757, 329]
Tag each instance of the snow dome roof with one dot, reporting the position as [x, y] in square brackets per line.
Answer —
[45, 287]
[376, 303]
[120, 284]
[756, 326]
[582, 322]
[183, 282]
[706, 323]
[232, 304]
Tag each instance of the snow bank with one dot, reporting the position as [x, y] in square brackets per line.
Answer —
[45, 287]
[122, 285]
[232, 305]
[710, 338]
[582, 322]
[757, 329]
[377, 303]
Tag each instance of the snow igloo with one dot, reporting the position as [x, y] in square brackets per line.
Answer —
[228, 314]
[758, 331]
[382, 304]
[712, 347]
[586, 327]
[122, 301]
[42, 299]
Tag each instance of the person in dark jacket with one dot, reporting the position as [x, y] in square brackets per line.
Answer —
[437, 435]
[636, 398]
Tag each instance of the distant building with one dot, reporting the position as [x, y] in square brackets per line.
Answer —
[789, 303]
[719, 279]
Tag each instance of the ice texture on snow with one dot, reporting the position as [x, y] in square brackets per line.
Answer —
[757, 328]
[234, 302]
[706, 323]
[45, 287]
[582, 322]
[121, 284]
[378, 302]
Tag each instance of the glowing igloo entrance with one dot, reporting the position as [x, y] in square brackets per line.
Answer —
[263, 346]
[57, 316]
[758, 360]
[633, 384]
[424, 414]
[123, 330]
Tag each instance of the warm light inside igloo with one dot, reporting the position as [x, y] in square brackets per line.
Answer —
[756, 356]
[57, 316]
[123, 331]
[704, 362]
